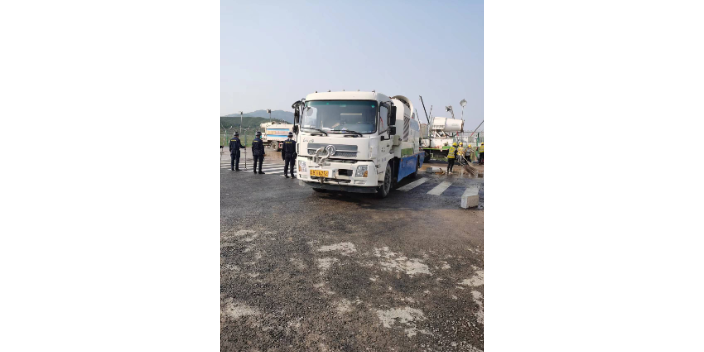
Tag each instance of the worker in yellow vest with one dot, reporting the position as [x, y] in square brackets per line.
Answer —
[481, 154]
[461, 151]
[451, 155]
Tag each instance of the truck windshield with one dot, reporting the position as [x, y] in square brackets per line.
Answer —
[341, 115]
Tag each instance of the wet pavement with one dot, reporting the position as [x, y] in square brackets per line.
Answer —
[303, 271]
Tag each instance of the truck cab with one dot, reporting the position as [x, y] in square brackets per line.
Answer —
[356, 141]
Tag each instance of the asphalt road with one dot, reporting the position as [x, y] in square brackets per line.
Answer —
[302, 271]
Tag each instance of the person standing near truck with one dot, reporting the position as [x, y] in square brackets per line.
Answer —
[258, 152]
[481, 154]
[235, 147]
[451, 155]
[461, 152]
[288, 153]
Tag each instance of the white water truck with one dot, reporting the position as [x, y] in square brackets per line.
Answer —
[363, 142]
[274, 134]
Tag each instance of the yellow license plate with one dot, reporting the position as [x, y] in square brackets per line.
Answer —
[319, 173]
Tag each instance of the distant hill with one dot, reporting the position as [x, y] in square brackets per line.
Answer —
[275, 114]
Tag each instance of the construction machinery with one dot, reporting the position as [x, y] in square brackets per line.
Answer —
[437, 140]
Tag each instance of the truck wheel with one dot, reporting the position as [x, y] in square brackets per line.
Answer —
[385, 188]
[427, 156]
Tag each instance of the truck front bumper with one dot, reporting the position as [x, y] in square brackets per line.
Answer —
[340, 174]
[336, 187]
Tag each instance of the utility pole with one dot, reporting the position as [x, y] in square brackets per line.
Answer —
[245, 147]
[224, 133]
[463, 103]
[240, 122]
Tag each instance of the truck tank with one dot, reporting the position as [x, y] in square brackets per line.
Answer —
[274, 134]
[405, 114]
[445, 124]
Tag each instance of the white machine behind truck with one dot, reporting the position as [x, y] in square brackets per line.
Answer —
[356, 141]
[443, 132]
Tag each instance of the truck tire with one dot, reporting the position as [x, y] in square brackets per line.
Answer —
[427, 156]
[385, 188]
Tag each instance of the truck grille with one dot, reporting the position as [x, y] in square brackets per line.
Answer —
[337, 153]
[338, 147]
[331, 180]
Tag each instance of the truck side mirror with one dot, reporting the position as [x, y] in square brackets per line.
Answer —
[392, 116]
[392, 130]
[295, 129]
[296, 117]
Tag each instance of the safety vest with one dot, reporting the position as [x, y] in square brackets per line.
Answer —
[451, 153]
[460, 150]
[481, 148]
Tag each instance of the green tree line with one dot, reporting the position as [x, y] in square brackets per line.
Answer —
[228, 126]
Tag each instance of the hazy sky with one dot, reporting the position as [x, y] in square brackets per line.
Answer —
[276, 52]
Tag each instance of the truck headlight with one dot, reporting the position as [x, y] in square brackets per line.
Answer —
[361, 171]
[302, 166]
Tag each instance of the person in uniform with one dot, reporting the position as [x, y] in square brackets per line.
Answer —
[288, 153]
[258, 152]
[451, 155]
[235, 147]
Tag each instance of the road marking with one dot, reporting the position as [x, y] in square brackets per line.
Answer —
[279, 171]
[440, 188]
[273, 169]
[269, 169]
[413, 184]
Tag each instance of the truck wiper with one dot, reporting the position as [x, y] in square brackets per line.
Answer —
[348, 132]
[316, 129]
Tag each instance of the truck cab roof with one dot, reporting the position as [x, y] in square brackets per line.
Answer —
[347, 96]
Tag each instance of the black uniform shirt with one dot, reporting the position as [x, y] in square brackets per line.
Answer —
[289, 148]
[235, 145]
[257, 147]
